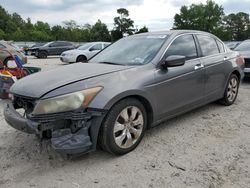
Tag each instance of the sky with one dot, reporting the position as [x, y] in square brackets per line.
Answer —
[155, 14]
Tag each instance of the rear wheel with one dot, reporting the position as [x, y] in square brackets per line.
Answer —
[231, 91]
[123, 127]
[81, 58]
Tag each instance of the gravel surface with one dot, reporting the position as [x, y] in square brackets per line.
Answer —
[207, 147]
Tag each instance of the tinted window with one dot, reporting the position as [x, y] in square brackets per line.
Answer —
[208, 45]
[183, 45]
[65, 44]
[106, 44]
[221, 46]
[96, 47]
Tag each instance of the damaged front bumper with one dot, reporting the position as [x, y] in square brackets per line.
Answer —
[70, 132]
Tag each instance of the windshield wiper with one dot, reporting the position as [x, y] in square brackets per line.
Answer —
[110, 63]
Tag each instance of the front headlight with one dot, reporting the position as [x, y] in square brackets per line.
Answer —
[66, 102]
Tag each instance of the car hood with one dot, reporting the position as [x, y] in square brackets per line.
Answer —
[38, 84]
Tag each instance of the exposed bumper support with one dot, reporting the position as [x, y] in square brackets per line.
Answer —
[14, 119]
[62, 140]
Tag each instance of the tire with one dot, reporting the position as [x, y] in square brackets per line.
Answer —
[42, 54]
[118, 136]
[231, 91]
[81, 58]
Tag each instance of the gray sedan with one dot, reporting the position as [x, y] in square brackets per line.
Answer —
[132, 85]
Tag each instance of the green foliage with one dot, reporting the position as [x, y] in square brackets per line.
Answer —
[204, 17]
[13, 27]
[99, 32]
[2, 34]
[210, 17]
[144, 29]
[238, 25]
[123, 24]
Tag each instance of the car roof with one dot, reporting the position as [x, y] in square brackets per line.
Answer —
[174, 32]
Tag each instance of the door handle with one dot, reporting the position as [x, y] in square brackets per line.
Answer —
[198, 66]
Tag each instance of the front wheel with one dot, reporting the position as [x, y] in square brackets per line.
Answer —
[124, 127]
[231, 91]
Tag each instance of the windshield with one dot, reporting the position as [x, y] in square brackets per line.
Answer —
[244, 46]
[85, 46]
[136, 50]
[47, 44]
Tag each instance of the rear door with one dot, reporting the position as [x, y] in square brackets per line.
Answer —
[213, 59]
[180, 88]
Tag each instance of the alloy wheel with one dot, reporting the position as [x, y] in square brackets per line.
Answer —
[232, 89]
[128, 127]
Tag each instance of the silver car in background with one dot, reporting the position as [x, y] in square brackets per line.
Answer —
[83, 53]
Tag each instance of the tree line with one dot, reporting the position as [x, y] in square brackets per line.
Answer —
[208, 17]
[14, 27]
[211, 17]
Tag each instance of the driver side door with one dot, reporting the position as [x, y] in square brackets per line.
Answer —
[180, 88]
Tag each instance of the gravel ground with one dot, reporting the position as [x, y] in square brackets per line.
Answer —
[208, 147]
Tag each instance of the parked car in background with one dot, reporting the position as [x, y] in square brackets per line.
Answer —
[133, 84]
[31, 50]
[232, 44]
[83, 53]
[14, 50]
[244, 50]
[53, 48]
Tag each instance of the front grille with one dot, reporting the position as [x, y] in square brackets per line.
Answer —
[76, 116]
[26, 103]
[247, 63]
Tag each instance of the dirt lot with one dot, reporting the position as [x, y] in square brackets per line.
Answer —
[208, 147]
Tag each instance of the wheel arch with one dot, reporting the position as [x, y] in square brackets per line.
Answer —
[237, 73]
[81, 55]
[140, 97]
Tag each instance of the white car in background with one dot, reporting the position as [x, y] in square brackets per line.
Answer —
[83, 53]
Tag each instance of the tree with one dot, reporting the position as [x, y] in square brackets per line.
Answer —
[205, 17]
[144, 29]
[2, 34]
[99, 32]
[123, 24]
[238, 25]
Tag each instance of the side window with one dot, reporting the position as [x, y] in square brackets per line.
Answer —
[54, 44]
[106, 44]
[96, 47]
[66, 44]
[183, 45]
[208, 45]
[220, 46]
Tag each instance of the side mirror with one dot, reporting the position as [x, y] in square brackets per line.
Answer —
[174, 61]
[92, 49]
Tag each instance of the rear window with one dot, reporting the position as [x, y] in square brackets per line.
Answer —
[220, 46]
[208, 45]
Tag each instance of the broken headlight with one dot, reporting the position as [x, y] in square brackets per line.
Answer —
[66, 102]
